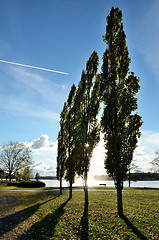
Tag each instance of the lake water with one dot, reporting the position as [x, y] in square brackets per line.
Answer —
[95, 183]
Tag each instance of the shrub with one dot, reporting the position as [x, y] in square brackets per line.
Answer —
[12, 184]
[27, 184]
[3, 182]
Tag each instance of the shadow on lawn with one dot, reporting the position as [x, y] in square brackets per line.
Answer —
[11, 221]
[83, 229]
[133, 228]
[46, 228]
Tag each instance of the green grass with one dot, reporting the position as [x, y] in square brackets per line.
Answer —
[45, 215]
[20, 188]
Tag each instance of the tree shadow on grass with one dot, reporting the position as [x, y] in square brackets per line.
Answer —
[133, 228]
[11, 221]
[46, 228]
[83, 228]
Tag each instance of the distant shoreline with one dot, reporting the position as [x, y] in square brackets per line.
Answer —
[133, 176]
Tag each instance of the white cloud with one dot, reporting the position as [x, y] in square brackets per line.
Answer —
[142, 158]
[45, 153]
[143, 154]
[153, 139]
[44, 169]
[42, 143]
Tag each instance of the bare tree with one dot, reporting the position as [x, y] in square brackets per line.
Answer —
[15, 157]
[155, 162]
[133, 167]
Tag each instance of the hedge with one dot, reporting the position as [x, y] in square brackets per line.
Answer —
[27, 184]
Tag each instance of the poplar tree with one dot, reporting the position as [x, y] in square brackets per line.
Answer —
[70, 139]
[88, 127]
[61, 149]
[120, 121]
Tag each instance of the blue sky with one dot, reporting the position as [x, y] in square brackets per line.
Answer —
[61, 35]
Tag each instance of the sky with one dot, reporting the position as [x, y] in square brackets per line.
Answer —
[60, 35]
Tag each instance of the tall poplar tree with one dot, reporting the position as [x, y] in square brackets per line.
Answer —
[88, 127]
[120, 121]
[61, 149]
[70, 139]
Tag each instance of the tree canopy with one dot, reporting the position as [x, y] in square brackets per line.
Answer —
[79, 128]
[88, 127]
[120, 121]
[116, 88]
[61, 148]
[15, 158]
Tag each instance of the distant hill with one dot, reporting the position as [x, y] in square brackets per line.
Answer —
[101, 177]
[141, 176]
[133, 176]
[48, 177]
[144, 176]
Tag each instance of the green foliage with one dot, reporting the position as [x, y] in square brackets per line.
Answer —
[88, 104]
[1, 173]
[79, 130]
[120, 121]
[66, 164]
[26, 173]
[37, 176]
[70, 137]
[61, 154]
[27, 184]
[18, 176]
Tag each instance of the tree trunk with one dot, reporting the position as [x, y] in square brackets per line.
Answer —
[10, 176]
[86, 188]
[119, 187]
[60, 185]
[129, 178]
[70, 189]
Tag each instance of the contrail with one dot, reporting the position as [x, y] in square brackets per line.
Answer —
[29, 66]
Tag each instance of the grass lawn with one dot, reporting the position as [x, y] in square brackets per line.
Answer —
[45, 215]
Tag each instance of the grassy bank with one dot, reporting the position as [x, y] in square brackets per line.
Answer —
[45, 215]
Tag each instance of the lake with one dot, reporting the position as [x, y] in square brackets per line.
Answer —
[95, 183]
